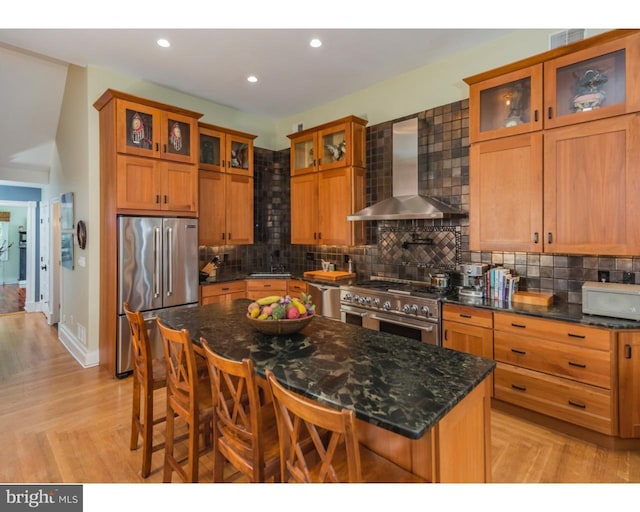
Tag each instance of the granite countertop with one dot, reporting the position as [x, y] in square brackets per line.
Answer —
[556, 311]
[397, 383]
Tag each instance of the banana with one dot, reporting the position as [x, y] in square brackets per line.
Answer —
[264, 301]
[299, 306]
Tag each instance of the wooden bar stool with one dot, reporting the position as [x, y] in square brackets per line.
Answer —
[338, 457]
[188, 398]
[149, 375]
[245, 433]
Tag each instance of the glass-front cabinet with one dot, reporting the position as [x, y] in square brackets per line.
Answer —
[225, 150]
[329, 146]
[146, 131]
[593, 83]
[506, 105]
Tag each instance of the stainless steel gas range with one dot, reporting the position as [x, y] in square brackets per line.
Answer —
[407, 308]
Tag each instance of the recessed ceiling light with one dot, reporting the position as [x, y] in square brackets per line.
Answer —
[252, 78]
[315, 43]
[164, 43]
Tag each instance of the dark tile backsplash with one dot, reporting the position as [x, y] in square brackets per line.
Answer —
[443, 160]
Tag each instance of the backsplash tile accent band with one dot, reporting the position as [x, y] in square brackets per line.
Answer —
[436, 247]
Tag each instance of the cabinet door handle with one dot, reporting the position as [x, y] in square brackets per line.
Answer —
[158, 198]
[519, 388]
[319, 235]
[224, 289]
[577, 365]
[166, 199]
[535, 115]
[571, 335]
[157, 147]
[229, 238]
[223, 236]
[446, 335]
[576, 404]
[519, 326]
[535, 237]
[314, 235]
[462, 315]
[266, 286]
[549, 237]
[164, 148]
[627, 351]
[517, 351]
[550, 112]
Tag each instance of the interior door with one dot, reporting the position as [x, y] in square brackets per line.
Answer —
[45, 248]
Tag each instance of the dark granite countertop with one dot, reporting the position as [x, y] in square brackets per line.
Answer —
[557, 311]
[397, 383]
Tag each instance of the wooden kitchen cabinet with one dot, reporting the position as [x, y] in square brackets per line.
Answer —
[340, 143]
[468, 329]
[146, 129]
[629, 383]
[225, 186]
[258, 288]
[225, 150]
[505, 194]
[147, 167]
[593, 83]
[222, 292]
[296, 287]
[579, 156]
[506, 105]
[560, 369]
[226, 209]
[591, 190]
[320, 204]
[149, 184]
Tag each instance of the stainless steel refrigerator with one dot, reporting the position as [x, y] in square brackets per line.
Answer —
[157, 269]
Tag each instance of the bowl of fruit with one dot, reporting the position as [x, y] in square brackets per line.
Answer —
[281, 314]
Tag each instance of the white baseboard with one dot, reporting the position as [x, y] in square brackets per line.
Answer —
[32, 307]
[86, 358]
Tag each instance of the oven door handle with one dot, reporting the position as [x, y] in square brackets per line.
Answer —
[427, 328]
[350, 311]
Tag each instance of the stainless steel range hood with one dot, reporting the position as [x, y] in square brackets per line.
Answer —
[406, 202]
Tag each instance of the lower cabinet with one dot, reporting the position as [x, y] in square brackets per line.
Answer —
[222, 292]
[629, 383]
[296, 288]
[468, 329]
[562, 369]
[258, 288]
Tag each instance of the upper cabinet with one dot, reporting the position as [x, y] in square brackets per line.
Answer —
[148, 152]
[340, 143]
[593, 83]
[508, 104]
[328, 183]
[225, 186]
[591, 79]
[225, 150]
[554, 145]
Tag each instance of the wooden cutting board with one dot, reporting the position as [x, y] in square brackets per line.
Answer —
[335, 275]
[536, 298]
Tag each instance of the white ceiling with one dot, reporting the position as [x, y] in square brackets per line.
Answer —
[208, 63]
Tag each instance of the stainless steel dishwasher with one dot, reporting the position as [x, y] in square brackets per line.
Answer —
[326, 298]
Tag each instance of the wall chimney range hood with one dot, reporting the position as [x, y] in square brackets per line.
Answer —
[406, 203]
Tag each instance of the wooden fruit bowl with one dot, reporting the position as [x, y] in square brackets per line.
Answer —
[280, 326]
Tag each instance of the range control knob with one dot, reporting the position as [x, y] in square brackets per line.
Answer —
[346, 296]
[356, 298]
[376, 302]
[414, 309]
[425, 310]
[387, 305]
[368, 300]
[363, 300]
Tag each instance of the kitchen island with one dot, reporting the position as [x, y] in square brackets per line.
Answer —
[424, 407]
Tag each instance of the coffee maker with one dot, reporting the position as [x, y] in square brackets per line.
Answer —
[473, 279]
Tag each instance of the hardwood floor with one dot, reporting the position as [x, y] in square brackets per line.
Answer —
[12, 298]
[62, 423]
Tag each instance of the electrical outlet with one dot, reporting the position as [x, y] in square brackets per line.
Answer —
[603, 276]
[628, 278]
[346, 258]
[309, 256]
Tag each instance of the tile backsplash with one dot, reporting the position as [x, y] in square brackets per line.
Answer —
[443, 172]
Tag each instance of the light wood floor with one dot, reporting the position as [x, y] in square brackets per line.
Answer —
[62, 423]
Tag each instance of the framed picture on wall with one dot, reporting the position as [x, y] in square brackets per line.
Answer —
[66, 210]
[66, 250]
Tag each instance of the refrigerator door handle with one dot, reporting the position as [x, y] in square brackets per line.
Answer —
[156, 269]
[170, 261]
